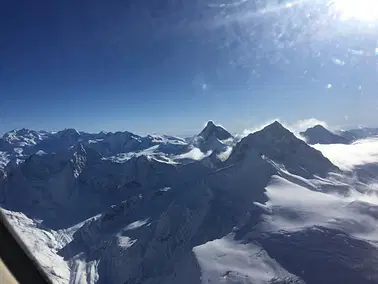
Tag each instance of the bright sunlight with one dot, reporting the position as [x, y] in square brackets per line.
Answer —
[366, 10]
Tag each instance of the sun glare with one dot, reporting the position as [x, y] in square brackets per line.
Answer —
[366, 10]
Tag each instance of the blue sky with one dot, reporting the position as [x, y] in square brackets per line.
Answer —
[168, 66]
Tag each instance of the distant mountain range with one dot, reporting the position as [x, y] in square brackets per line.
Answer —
[359, 133]
[122, 208]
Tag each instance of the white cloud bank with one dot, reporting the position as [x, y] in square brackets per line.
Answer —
[194, 154]
[352, 207]
[302, 125]
[294, 208]
[347, 157]
[223, 156]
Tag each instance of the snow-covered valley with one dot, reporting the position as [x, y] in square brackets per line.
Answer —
[122, 208]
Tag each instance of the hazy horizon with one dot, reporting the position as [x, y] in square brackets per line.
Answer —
[296, 127]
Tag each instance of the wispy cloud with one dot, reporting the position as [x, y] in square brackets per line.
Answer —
[223, 156]
[302, 125]
[259, 126]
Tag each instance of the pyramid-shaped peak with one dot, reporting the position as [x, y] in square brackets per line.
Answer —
[269, 137]
[316, 129]
[275, 130]
[275, 125]
[210, 123]
[278, 144]
[214, 130]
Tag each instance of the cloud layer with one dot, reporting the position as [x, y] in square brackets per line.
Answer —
[348, 157]
[194, 154]
[340, 202]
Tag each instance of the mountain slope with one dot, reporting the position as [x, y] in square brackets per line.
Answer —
[170, 224]
[54, 186]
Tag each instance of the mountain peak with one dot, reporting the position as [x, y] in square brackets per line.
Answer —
[274, 131]
[280, 145]
[318, 126]
[318, 134]
[210, 123]
[214, 130]
[275, 126]
[270, 136]
[210, 127]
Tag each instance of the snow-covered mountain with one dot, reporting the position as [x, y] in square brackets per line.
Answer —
[320, 135]
[16, 140]
[19, 144]
[280, 145]
[121, 208]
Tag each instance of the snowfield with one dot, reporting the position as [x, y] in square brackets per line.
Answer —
[122, 208]
[228, 261]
